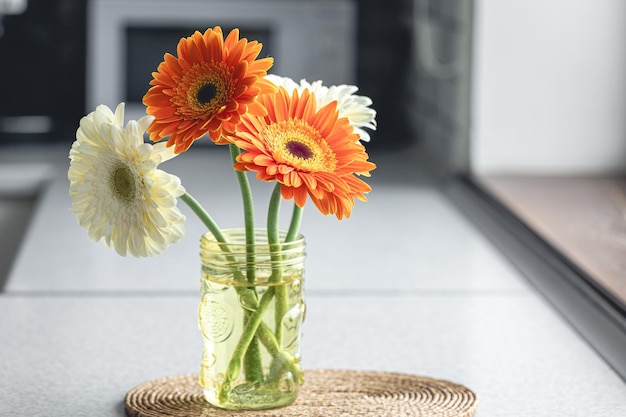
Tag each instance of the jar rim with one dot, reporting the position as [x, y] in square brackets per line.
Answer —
[237, 237]
[236, 254]
[237, 247]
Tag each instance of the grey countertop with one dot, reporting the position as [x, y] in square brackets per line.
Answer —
[406, 284]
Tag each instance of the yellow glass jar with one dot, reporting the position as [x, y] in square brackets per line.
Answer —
[250, 317]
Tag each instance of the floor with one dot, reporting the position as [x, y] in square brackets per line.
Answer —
[583, 217]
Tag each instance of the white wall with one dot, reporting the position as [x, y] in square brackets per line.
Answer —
[549, 86]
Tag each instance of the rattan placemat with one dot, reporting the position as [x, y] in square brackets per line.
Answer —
[325, 393]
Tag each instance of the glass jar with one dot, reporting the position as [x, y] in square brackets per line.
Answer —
[250, 317]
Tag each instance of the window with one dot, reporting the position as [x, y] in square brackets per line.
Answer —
[522, 105]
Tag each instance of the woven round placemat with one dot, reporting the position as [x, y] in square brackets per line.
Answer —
[325, 393]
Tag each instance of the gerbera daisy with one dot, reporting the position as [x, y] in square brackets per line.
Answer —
[309, 151]
[356, 108]
[117, 192]
[206, 88]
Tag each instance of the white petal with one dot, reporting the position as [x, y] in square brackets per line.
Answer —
[144, 122]
[119, 114]
[163, 151]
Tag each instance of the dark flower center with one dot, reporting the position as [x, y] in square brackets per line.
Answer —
[299, 149]
[206, 93]
[123, 183]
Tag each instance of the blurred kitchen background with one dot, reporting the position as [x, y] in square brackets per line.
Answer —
[525, 99]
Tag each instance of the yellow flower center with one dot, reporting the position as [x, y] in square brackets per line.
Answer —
[298, 144]
[203, 90]
[123, 183]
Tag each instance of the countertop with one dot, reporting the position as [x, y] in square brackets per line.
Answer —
[406, 284]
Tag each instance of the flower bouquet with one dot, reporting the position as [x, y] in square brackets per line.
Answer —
[304, 137]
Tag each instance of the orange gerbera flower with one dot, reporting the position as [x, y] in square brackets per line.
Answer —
[308, 152]
[207, 88]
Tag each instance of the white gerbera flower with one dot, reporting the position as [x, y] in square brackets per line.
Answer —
[355, 108]
[117, 192]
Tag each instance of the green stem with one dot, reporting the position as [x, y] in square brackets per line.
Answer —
[294, 226]
[248, 213]
[211, 225]
[252, 360]
[248, 334]
[273, 239]
[203, 216]
[280, 359]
